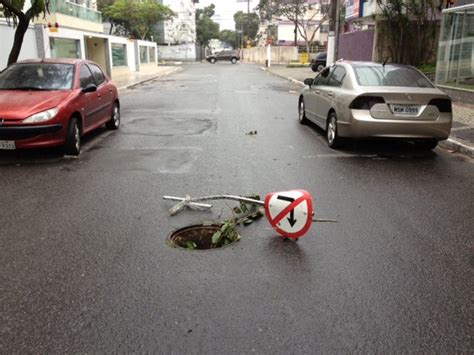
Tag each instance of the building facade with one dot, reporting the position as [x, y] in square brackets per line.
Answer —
[182, 28]
[455, 64]
[74, 29]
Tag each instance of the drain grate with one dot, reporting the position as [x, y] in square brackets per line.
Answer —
[197, 237]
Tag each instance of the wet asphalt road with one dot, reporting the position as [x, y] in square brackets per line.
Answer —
[85, 267]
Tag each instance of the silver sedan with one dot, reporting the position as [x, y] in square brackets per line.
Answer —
[365, 99]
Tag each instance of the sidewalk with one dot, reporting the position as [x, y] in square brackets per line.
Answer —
[125, 81]
[462, 133]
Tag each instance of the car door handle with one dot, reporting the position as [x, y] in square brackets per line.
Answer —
[317, 91]
[330, 93]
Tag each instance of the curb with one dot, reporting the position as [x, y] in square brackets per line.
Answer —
[451, 143]
[283, 77]
[128, 86]
[458, 146]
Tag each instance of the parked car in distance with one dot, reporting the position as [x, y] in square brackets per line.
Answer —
[318, 62]
[231, 55]
[365, 99]
[53, 102]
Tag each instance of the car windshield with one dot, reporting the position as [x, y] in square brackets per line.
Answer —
[37, 76]
[390, 76]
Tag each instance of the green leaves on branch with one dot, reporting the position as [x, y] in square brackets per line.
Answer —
[137, 18]
[245, 214]
[206, 28]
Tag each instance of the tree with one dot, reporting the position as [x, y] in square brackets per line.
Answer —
[137, 18]
[13, 10]
[249, 23]
[206, 29]
[307, 16]
[409, 29]
[229, 37]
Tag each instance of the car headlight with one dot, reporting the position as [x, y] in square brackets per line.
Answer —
[42, 116]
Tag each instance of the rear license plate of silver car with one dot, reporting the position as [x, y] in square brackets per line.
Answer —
[405, 110]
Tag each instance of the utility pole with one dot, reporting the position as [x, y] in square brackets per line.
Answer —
[296, 22]
[336, 41]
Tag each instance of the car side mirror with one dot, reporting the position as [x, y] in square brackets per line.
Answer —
[308, 82]
[89, 88]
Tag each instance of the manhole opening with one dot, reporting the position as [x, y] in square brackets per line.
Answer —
[199, 237]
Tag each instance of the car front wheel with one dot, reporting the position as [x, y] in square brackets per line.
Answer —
[234, 60]
[302, 112]
[114, 121]
[320, 67]
[73, 138]
[314, 67]
[331, 132]
[213, 60]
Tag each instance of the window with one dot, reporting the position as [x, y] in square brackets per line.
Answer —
[151, 54]
[98, 74]
[65, 48]
[119, 54]
[322, 78]
[390, 75]
[41, 76]
[337, 76]
[143, 54]
[85, 76]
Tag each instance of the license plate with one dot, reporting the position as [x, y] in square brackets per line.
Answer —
[7, 145]
[405, 110]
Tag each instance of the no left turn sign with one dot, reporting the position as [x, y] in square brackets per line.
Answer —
[290, 212]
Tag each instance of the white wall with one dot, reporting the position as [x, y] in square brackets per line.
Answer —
[180, 52]
[28, 49]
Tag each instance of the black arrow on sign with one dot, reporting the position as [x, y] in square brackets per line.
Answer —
[292, 219]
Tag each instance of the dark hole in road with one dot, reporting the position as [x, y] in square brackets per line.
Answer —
[197, 237]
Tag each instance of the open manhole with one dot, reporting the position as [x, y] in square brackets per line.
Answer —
[201, 237]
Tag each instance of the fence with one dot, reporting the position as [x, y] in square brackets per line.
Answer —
[356, 45]
[279, 55]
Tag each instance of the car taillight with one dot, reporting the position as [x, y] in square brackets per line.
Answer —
[443, 105]
[366, 102]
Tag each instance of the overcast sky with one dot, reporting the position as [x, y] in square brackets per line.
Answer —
[225, 10]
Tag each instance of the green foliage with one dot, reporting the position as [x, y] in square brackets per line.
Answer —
[248, 22]
[14, 12]
[245, 214]
[206, 28]
[229, 37]
[409, 29]
[137, 18]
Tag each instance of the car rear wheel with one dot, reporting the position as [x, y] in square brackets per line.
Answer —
[73, 138]
[213, 60]
[427, 144]
[114, 121]
[314, 68]
[302, 112]
[234, 60]
[320, 67]
[331, 132]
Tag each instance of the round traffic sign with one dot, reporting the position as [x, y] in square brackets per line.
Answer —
[289, 212]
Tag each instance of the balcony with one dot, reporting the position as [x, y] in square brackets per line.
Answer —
[71, 9]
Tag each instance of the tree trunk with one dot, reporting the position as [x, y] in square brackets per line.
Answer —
[20, 31]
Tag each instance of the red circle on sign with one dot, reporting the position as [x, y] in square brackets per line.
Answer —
[305, 197]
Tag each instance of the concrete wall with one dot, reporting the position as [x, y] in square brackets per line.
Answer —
[28, 50]
[182, 52]
[356, 45]
[280, 55]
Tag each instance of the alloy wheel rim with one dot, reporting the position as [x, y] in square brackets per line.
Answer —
[116, 116]
[301, 110]
[77, 137]
[331, 130]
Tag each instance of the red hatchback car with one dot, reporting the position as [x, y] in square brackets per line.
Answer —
[53, 102]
